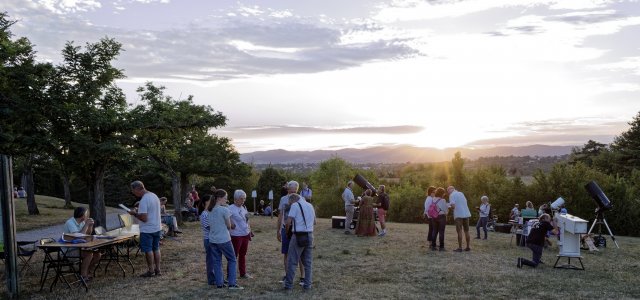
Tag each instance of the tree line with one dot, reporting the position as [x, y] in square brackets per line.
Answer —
[615, 167]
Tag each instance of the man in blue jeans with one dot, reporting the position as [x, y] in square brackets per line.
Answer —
[302, 217]
[149, 215]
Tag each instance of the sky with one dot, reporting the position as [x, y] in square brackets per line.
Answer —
[332, 74]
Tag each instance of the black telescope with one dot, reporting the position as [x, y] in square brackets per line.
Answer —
[364, 184]
[601, 199]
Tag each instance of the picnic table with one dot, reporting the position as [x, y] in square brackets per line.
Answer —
[114, 243]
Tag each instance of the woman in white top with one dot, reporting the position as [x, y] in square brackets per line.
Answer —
[241, 234]
[431, 193]
[484, 210]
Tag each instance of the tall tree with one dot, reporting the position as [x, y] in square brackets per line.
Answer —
[23, 89]
[88, 116]
[173, 133]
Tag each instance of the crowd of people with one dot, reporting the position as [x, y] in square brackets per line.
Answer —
[226, 230]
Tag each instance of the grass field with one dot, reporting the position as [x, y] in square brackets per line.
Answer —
[397, 266]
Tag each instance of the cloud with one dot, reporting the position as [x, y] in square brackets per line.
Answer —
[249, 42]
[275, 131]
[65, 6]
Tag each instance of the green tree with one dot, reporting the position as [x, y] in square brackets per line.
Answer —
[270, 180]
[458, 173]
[627, 147]
[329, 181]
[23, 102]
[88, 115]
[173, 133]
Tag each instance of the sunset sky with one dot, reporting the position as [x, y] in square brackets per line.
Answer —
[330, 74]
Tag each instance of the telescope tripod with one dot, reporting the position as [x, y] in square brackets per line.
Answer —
[601, 220]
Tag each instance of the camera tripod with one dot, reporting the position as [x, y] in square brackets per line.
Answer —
[601, 220]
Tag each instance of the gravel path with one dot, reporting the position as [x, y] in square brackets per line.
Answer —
[56, 230]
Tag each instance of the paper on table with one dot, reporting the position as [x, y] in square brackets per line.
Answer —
[124, 207]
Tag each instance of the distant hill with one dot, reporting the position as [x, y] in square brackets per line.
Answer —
[397, 154]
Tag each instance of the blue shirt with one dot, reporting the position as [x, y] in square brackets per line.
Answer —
[218, 231]
[72, 226]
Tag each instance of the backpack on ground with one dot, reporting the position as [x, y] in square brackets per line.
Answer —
[433, 211]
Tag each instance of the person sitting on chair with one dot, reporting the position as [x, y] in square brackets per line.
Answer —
[81, 223]
[168, 219]
[536, 240]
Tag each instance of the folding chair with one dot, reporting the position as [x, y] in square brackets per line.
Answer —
[26, 250]
[61, 264]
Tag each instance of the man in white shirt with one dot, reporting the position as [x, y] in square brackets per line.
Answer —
[461, 215]
[302, 217]
[349, 201]
[149, 214]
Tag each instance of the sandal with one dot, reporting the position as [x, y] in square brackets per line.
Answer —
[148, 274]
[158, 273]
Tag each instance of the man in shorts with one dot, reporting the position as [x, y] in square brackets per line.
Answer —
[150, 229]
[461, 215]
[383, 207]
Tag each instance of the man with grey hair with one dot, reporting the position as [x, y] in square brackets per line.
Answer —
[461, 215]
[149, 215]
[283, 208]
[349, 201]
[301, 218]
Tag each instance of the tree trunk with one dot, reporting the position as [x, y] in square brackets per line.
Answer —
[67, 191]
[184, 186]
[177, 199]
[96, 204]
[29, 187]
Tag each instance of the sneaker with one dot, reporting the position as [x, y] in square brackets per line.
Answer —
[282, 280]
[301, 281]
[458, 250]
[382, 233]
[347, 232]
[519, 262]
[221, 286]
[246, 276]
[467, 249]
[235, 287]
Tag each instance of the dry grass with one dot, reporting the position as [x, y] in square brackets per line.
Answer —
[51, 209]
[397, 266]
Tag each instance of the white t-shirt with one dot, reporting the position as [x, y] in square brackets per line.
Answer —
[461, 209]
[296, 214]
[150, 205]
[239, 217]
[427, 203]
